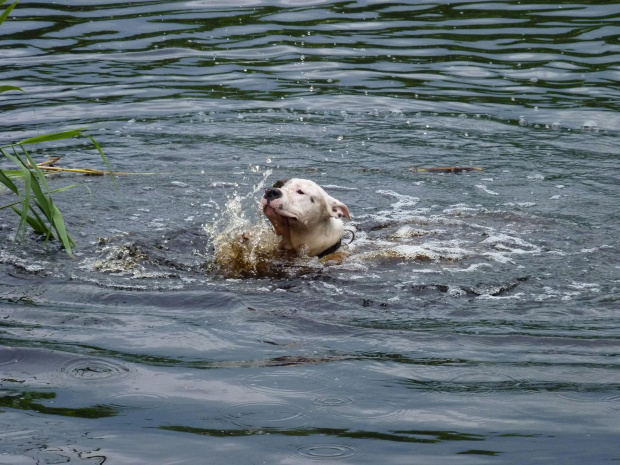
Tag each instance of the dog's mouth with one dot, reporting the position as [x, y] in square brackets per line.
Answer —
[269, 210]
[281, 222]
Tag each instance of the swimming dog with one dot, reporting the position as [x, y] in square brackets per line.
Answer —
[306, 218]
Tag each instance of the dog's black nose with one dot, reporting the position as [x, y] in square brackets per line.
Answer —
[272, 193]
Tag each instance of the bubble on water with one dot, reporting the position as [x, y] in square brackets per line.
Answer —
[522, 121]
[590, 126]
[556, 126]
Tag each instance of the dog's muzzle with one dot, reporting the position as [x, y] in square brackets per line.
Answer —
[272, 193]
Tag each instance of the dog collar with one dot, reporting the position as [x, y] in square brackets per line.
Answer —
[329, 250]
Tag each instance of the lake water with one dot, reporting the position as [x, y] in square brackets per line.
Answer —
[475, 317]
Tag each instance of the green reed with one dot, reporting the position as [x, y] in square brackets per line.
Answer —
[35, 205]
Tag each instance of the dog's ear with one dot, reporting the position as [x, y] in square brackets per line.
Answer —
[338, 209]
[280, 182]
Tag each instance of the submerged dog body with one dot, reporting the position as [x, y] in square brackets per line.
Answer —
[305, 217]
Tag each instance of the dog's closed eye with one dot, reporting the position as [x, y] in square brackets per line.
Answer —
[300, 192]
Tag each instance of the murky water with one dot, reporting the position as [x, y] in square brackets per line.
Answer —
[474, 316]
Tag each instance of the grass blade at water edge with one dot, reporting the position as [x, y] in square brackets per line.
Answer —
[7, 182]
[60, 189]
[33, 166]
[49, 137]
[6, 13]
[9, 88]
[59, 225]
[105, 161]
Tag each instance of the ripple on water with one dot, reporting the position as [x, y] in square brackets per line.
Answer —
[36, 364]
[96, 370]
[19, 362]
[136, 400]
[613, 400]
[590, 395]
[8, 355]
[360, 408]
[333, 401]
[286, 380]
[326, 451]
[279, 415]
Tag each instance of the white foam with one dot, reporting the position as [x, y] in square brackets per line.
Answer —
[502, 239]
[431, 251]
[517, 296]
[27, 265]
[401, 200]
[485, 189]
[594, 287]
[339, 188]
[471, 268]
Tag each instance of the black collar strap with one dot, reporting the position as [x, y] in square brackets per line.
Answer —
[329, 250]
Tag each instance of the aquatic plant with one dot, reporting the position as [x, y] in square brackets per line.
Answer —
[35, 205]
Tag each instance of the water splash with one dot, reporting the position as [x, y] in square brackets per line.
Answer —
[243, 245]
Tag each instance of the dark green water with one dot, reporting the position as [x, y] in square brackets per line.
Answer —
[476, 319]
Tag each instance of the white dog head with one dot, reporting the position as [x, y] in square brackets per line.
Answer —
[305, 216]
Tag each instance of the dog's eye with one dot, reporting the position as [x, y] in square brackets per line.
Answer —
[300, 192]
